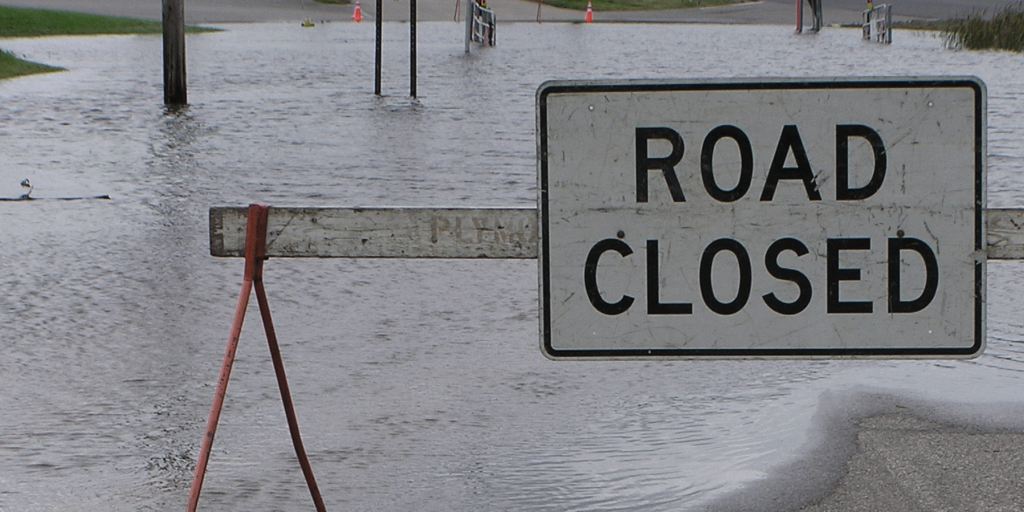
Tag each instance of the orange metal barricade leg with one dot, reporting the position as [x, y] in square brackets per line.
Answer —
[282, 382]
[255, 247]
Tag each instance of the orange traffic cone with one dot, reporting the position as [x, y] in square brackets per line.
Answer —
[590, 13]
[357, 14]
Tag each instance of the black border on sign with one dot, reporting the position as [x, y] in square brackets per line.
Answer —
[556, 87]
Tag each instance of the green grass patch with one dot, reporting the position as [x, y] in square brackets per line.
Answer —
[334, 2]
[1002, 31]
[637, 5]
[11, 66]
[22, 22]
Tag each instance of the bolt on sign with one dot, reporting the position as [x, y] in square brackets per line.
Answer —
[836, 217]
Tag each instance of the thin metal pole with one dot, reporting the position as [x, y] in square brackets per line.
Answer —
[254, 246]
[376, 73]
[470, 12]
[282, 382]
[412, 48]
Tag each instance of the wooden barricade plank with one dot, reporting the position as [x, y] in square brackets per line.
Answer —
[1005, 233]
[509, 233]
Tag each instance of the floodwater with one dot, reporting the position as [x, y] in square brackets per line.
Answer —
[419, 385]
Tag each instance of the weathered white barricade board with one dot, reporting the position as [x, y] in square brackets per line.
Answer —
[1005, 233]
[835, 217]
[382, 232]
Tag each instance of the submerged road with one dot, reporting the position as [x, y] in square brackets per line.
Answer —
[886, 456]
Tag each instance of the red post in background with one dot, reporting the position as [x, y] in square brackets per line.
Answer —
[799, 16]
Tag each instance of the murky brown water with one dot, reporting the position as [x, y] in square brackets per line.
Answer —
[418, 384]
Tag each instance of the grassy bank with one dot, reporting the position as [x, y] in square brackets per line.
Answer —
[1003, 31]
[637, 5]
[21, 22]
[11, 66]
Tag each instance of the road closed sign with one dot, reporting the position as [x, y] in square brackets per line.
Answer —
[762, 218]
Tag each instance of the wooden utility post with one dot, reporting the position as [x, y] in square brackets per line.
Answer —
[175, 89]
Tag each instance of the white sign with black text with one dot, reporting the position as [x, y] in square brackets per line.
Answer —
[840, 217]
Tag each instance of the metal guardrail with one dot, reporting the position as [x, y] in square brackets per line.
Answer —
[484, 22]
[877, 24]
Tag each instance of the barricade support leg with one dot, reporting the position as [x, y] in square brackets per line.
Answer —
[255, 250]
[286, 398]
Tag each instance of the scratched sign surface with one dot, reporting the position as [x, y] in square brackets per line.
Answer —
[754, 218]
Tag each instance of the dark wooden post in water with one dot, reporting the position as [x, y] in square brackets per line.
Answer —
[175, 89]
[412, 48]
[376, 73]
